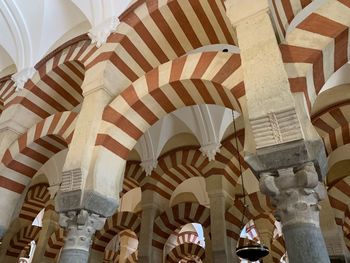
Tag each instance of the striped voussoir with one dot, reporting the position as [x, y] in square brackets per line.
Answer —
[111, 256]
[56, 86]
[333, 125]
[258, 205]
[188, 237]
[36, 199]
[163, 31]
[7, 89]
[187, 252]
[286, 10]
[55, 243]
[278, 249]
[339, 196]
[210, 77]
[133, 176]
[133, 257]
[172, 218]
[181, 164]
[312, 53]
[21, 239]
[118, 222]
[173, 168]
[26, 156]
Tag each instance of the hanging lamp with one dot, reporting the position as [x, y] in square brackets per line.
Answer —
[249, 250]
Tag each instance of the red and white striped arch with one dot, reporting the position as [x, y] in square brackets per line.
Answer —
[173, 168]
[187, 252]
[211, 77]
[175, 217]
[36, 199]
[55, 243]
[118, 222]
[188, 237]
[286, 10]
[21, 239]
[333, 125]
[25, 156]
[7, 88]
[56, 85]
[258, 205]
[278, 249]
[163, 31]
[133, 176]
[312, 53]
[183, 163]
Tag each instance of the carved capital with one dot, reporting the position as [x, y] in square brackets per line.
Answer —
[295, 192]
[149, 165]
[81, 226]
[101, 32]
[210, 150]
[20, 78]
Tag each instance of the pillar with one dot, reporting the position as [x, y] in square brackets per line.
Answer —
[49, 225]
[220, 200]
[296, 193]
[149, 212]
[80, 226]
[281, 145]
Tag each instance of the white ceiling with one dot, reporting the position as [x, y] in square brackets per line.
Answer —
[30, 29]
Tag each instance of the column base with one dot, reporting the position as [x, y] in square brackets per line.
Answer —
[74, 256]
[305, 243]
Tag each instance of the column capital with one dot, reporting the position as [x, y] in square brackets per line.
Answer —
[295, 192]
[81, 226]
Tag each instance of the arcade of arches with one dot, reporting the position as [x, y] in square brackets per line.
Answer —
[125, 134]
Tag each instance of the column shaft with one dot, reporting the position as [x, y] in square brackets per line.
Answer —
[218, 228]
[149, 213]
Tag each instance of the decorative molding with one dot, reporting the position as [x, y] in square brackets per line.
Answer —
[20, 78]
[276, 128]
[210, 150]
[101, 32]
[295, 192]
[71, 180]
[81, 226]
[149, 165]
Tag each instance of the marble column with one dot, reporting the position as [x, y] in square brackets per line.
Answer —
[296, 193]
[149, 213]
[81, 226]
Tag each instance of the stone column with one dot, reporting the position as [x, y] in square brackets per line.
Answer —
[149, 213]
[81, 227]
[220, 200]
[296, 193]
